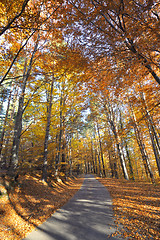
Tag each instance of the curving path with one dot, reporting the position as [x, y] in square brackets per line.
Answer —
[87, 216]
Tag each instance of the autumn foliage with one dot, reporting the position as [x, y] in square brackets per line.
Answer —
[79, 89]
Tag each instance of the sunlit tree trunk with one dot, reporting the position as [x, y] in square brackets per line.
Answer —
[126, 148]
[141, 145]
[110, 163]
[152, 133]
[4, 127]
[61, 136]
[129, 161]
[49, 108]
[98, 162]
[70, 155]
[110, 119]
[63, 160]
[97, 154]
[93, 160]
[101, 151]
[8, 135]
[18, 120]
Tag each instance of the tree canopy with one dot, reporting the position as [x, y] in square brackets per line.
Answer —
[79, 88]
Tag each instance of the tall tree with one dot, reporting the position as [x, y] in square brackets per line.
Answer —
[49, 107]
[141, 145]
[20, 111]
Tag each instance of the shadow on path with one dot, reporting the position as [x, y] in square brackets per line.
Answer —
[87, 216]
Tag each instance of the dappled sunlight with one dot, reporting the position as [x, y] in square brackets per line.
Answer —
[88, 215]
[136, 206]
[30, 204]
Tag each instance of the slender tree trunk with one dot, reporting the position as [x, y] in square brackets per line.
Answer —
[63, 161]
[152, 132]
[97, 159]
[70, 156]
[110, 163]
[126, 148]
[4, 125]
[129, 161]
[17, 128]
[101, 151]
[119, 149]
[141, 145]
[110, 119]
[155, 149]
[49, 108]
[93, 162]
[8, 132]
[18, 120]
[115, 170]
[61, 131]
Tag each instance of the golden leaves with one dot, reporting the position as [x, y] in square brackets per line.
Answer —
[33, 203]
[137, 207]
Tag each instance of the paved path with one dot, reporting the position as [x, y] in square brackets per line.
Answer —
[87, 216]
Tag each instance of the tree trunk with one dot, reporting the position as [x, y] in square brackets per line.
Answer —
[101, 151]
[152, 132]
[141, 145]
[61, 131]
[129, 161]
[4, 126]
[18, 120]
[119, 149]
[155, 149]
[126, 148]
[49, 108]
[110, 118]
[93, 162]
[8, 135]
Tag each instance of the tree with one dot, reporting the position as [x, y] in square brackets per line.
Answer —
[49, 107]
[125, 31]
[18, 120]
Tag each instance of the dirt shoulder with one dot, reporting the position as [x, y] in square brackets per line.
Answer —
[136, 206]
[31, 203]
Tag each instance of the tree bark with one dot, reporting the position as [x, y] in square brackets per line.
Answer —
[18, 120]
[61, 131]
[126, 148]
[101, 151]
[141, 145]
[152, 133]
[110, 118]
[5, 122]
[49, 108]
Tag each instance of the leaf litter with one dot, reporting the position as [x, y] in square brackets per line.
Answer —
[136, 207]
[31, 203]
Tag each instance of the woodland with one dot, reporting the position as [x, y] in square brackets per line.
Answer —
[79, 88]
[79, 93]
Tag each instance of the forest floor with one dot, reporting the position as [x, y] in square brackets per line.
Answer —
[31, 203]
[136, 207]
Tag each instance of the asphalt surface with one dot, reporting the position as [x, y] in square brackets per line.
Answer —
[87, 216]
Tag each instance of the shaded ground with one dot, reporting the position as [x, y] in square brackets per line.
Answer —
[136, 206]
[87, 216]
[32, 203]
